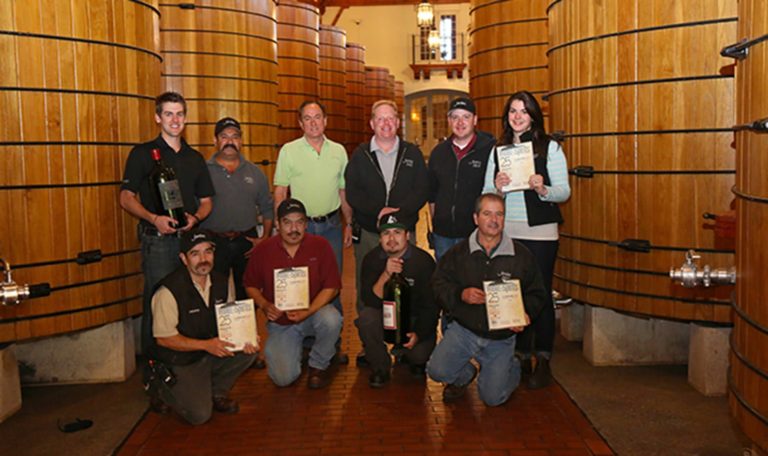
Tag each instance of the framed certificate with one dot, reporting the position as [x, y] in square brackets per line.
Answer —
[516, 161]
[237, 323]
[504, 304]
[292, 288]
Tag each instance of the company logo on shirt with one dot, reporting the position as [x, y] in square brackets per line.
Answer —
[408, 162]
[475, 163]
[248, 180]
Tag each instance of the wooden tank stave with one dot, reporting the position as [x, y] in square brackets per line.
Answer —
[656, 128]
[749, 342]
[355, 80]
[66, 131]
[333, 81]
[507, 53]
[376, 87]
[223, 59]
[298, 56]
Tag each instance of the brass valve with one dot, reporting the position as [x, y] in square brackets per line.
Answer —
[11, 293]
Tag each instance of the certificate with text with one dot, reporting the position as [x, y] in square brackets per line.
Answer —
[292, 288]
[516, 161]
[237, 323]
[504, 304]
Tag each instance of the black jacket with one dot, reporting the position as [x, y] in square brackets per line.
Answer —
[467, 265]
[454, 186]
[418, 267]
[196, 319]
[367, 192]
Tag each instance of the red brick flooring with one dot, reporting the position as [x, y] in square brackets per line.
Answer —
[407, 417]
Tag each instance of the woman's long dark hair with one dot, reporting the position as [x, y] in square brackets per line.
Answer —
[540, 138]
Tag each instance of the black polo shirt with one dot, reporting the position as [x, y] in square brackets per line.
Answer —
[188, 164]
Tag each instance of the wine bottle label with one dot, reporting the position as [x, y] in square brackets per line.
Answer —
[388, 315]
[171, 195]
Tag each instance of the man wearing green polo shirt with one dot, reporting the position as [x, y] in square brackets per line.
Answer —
[312, 168]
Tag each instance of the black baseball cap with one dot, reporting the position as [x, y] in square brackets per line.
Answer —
[192, 238]
[224, 123]
[390, 221]
[462, 103]
[289, 206]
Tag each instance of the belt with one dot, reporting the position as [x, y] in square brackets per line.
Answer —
[233, 234]
[147, 230]
[324, 218]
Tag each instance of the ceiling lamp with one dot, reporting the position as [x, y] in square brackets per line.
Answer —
[434, 39]
[425, 15]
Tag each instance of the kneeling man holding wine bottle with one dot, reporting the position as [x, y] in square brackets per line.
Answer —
[399, 307]
[489, 287]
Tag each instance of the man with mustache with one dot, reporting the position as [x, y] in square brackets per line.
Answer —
[395, 255]
[242, 194]
[458, 285]
[193, 370]
[294, 252]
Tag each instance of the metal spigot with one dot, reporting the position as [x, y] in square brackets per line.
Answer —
[11, 293]
[690, 276]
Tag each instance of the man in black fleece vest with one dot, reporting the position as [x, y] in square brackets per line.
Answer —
[186, 336]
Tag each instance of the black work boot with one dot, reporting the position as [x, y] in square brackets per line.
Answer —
[542, 375]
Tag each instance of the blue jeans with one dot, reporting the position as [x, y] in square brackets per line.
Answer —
[284, 345]
[332, 232]
[159, 257]
[499, 369]
[442, 244]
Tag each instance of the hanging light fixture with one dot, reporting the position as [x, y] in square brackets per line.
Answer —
[433, 40]
[425, 15]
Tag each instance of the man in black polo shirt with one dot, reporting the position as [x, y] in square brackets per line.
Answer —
[194, 369]
[158, 237]
[395, 255]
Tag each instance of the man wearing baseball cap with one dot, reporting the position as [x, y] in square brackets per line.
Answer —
[242, 198]
[293, 250]
[456, 176]
[395, 255]
[193, 370]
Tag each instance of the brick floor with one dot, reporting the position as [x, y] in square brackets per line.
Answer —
[407, 417]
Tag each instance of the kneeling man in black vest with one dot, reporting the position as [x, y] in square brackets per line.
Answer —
[194, 369]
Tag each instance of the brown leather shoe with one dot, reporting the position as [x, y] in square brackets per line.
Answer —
[318, 378]
[225, 405]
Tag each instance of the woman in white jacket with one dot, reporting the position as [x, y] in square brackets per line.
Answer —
[532, 217]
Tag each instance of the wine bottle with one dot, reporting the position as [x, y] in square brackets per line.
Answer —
[396, 310]
[167, 190]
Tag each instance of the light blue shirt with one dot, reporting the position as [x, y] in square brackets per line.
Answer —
[557, 192]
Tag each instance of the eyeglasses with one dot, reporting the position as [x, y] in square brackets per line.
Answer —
[381, 120]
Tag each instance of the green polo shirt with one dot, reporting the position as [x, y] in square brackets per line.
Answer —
[314, 179]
